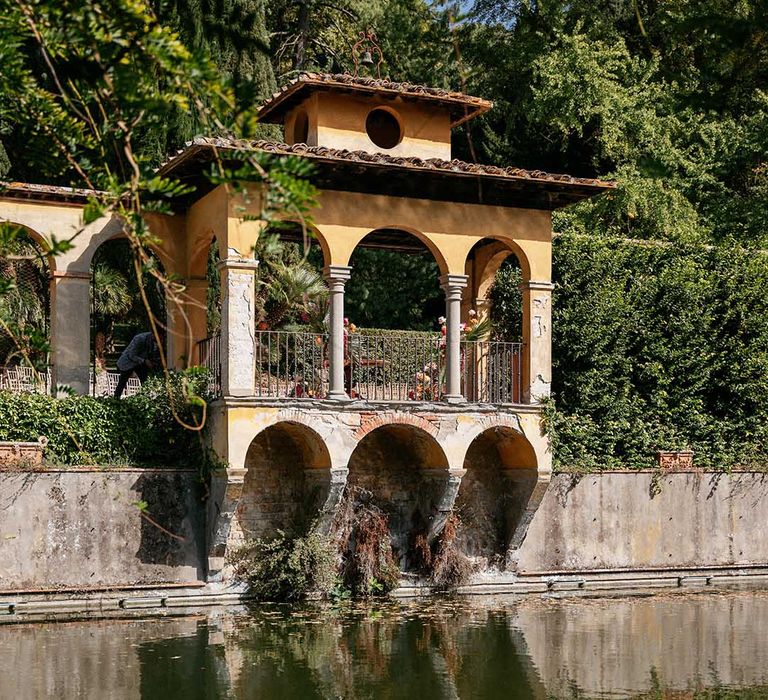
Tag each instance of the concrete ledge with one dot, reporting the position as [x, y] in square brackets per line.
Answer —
[140, 603]
[694, 581]
[631, 584]
[109, 604]
[739, 580]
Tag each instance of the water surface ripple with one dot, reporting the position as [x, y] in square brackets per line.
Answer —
[671, 646]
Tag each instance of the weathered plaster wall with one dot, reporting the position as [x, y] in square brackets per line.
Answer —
[62, 529]
[631, 520]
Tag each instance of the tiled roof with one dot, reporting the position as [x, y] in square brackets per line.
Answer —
[462, 107]
[378, 159]
[28, 190]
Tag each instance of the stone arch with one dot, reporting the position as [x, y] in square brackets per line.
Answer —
[403, 470]
[287, 480]
[38, 239]
[372, 421]
[500, 477]
[483, 261]
[109, 331]
[422, 237]
[31, 267]
[503, 247]
[112, 231]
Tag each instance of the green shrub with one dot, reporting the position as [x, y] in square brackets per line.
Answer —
[658, 347]
[286, 567]
[138, 430]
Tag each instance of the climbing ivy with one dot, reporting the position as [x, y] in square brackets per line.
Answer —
[658, 346]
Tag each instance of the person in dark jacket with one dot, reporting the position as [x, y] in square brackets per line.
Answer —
[138, 358]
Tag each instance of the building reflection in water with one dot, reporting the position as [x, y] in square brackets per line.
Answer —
[468, 648]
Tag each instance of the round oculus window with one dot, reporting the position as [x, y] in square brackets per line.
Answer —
[383, 128]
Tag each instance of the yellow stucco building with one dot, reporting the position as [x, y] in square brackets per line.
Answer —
[382, 161]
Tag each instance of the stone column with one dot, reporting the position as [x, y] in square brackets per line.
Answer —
[336, 276]
[537, 340]
[238, 326]
[226, 488]
[445, 487]
[71, 330]
[453, 286]
[326, 487]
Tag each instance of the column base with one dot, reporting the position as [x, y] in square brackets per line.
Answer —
[338, 396]
[454, 398]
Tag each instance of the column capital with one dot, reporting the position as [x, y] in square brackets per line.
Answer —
[537, 286]
[248, 264]
[453, 282]
[337, 273]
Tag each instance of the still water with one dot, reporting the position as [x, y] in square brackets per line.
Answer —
[674, 646]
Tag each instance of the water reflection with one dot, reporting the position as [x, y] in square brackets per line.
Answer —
[663, 646]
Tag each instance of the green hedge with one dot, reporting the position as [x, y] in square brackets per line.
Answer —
[658, 346]
[138, 430]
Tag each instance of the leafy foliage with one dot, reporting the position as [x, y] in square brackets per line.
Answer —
[659, 347]
[140, 430]
[286, 568]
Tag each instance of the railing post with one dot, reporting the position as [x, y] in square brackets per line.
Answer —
[453, 286]
[238, 326]
[336, 277]
[537, 340]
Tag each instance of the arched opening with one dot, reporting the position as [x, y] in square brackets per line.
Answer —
[287, 481]
[401, 470]
[495, 274]
[493, 316]
[501, 473]
[25, 310]
[394, 306]
[118, 311]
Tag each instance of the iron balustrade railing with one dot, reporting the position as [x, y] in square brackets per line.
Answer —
[491, 371]
[291, 364]
[209, 356]
[377, 367]
[395, 367]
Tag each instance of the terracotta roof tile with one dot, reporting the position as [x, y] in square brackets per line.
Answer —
[418, 164]
[461, 106]
[34, 191]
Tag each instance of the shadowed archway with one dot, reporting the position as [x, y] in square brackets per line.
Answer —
[403, 471]
[287, 481]
[501, 473]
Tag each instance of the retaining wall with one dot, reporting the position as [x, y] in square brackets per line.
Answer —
[640, 520]
[81, 528]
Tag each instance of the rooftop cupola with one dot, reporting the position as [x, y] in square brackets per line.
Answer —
[369, 114]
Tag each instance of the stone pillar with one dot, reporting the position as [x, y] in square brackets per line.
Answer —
[518, 536]
[336, 276]
[71, 330]
[226, 488]
[537, 340]
[446, 484]
[238, 326]
[453, 286]
[326, 487]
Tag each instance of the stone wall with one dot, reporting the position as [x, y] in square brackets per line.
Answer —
[82, 528]
[639, 520]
